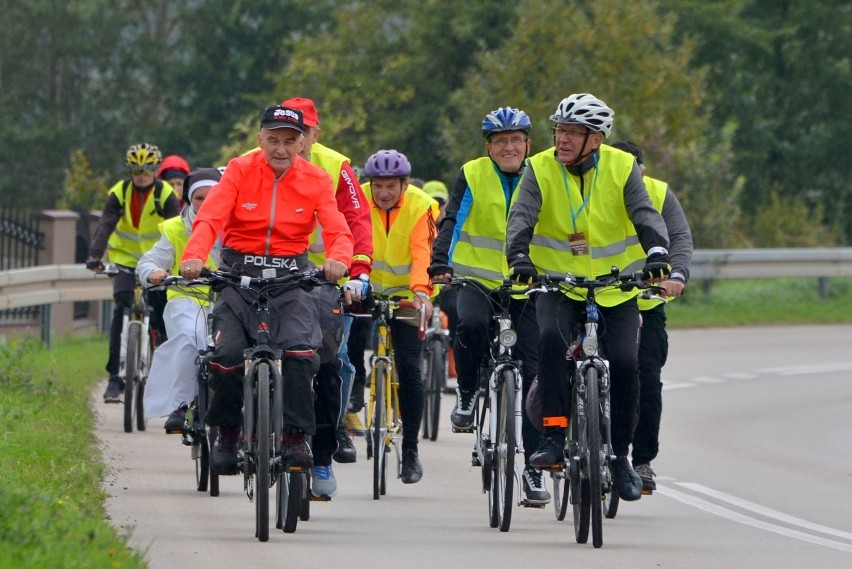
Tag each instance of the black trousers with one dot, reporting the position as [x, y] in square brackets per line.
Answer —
[327, 411]
[618, 336]
[359, 338]
[474, 330]
[123, 290]
[226, 377]
[406, 348]
[653, 352]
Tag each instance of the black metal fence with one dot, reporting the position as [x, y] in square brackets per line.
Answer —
[20, 242]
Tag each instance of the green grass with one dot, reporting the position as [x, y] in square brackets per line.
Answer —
[761, 302]
[51, 503]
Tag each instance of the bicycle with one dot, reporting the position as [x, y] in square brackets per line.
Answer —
[433, 367]
[382, 410]
[261, 458]
[497, 421]
[136, 351]
[585, 480]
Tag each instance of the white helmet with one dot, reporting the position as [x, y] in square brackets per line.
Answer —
[587, 110]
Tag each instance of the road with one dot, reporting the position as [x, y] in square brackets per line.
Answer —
[755, 471]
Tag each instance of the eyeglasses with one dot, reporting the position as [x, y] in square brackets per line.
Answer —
[138, 169]
[570, 132]
[503, 142]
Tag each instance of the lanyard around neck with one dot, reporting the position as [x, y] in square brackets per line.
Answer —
[576, 213]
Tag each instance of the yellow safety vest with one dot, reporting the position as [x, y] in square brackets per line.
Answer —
[600, 215]
[127, 244]
[175, 231]
[392, 250]
[331, 161]
[480, 252]
[658, 190]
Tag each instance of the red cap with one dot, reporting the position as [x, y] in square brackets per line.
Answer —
[173, 162]
[309, 110]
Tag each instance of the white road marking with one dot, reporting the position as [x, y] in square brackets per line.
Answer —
[810, 369]
[728, 514]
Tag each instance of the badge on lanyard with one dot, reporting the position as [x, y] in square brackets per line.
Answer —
[579, 244]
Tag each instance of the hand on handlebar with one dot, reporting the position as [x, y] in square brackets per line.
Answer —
[334, 270]
[191, 269]
[94, 264]
[157, 276]
[424, 306]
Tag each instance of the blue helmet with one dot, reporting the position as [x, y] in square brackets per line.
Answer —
[505, 119]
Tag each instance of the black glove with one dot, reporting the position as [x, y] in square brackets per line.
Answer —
[657, 267]
[436, 269]
[94, 264]
[523, 271]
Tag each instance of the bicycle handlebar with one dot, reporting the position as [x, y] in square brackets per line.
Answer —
[625, 283]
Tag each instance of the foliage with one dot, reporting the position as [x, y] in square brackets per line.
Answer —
[790, 222]
[733, 101]
[83, 189]
[50, 474]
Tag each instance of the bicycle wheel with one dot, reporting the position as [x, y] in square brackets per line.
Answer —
[141, 381]
[212, 433]
[595, 449]
[295, 495]
[282, 499]
[378, 425]
[200, 450]
[506, 446]
[131, 367]
[262, 454]
[577, 465]
[561, 485]
[435, 368]
[611, 500]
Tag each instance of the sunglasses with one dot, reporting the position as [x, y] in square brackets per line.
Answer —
[137, 170]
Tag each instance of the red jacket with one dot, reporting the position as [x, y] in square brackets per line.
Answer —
[260, 215]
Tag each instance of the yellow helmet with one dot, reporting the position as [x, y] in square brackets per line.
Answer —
[436, 189]
[143, 157]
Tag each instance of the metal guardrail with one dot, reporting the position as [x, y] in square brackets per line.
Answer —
[52, 284]
[716, 264]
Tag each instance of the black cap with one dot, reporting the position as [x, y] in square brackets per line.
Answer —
[201, 178]
[277, 116]
[630, 147]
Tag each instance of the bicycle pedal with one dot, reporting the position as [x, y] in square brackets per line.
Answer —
[322, 498]
[458, 430]
[646, 492]
[553, 467]
[526, 504]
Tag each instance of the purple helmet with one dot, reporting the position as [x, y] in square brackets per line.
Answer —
[387, 164]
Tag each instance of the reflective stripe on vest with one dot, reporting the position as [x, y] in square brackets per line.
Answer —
[480, 251]
[657, 189]
[392, 250]
[604, 221]
[331, 161]
[127, 244]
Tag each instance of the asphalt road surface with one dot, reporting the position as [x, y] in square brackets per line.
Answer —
[755, 470]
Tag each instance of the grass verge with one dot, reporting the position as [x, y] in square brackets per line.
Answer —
[51, 500]
[761, 303]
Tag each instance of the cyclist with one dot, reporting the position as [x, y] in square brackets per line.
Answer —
[334, 379]
[582, 208]
[267, 205]
[471, 244]
[174, 170]
[128, 227]
[403, 232]
[437, 190]
[172, 379]
[654, 341]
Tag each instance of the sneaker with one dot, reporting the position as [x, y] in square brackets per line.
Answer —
[647, 474]
[534, 488]
[627, 482]
[550, 453]
[352, 424]
[412, 470]
[114, 389]
[225, 450]
[345, 452]
[323, 482]
[462, 416]
[176, 421]
[296, 452]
